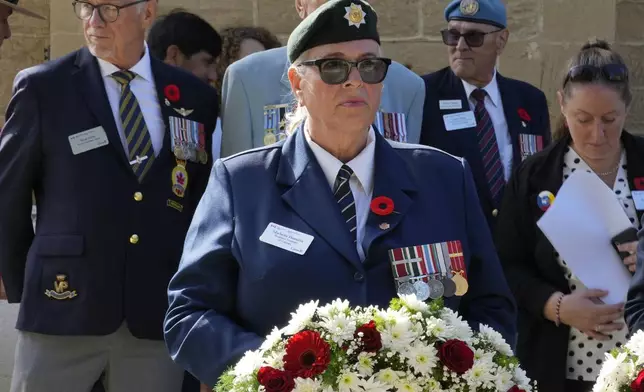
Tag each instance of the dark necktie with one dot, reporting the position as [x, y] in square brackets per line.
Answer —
[139, 143]
[344, 197]
[488, 147]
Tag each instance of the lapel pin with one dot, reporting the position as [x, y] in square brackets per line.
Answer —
[524, 124]
[184, 112]
[384, 226]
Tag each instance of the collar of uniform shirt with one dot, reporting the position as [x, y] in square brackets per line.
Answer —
[492, 90]
[362, 164]
[142, 69]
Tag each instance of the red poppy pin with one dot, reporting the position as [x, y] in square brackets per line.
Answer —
[639, 183]
[382, 205]
[523, 114]
[172, 93]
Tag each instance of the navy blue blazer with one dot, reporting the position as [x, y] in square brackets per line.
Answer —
[516, 95]
[88, 205]
[231, 288]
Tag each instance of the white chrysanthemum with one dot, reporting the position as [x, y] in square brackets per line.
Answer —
[398, 337]
[406, 385]
[275, 360]
[388, 376]
[438, 328]
[307, 385]
[636, 344]
[433, 386]
[503, 379]
[301, 318]
[413, 303]
[334, 308]
[495, 339]
[462, 330]
[349, 382]
[249, 363]
[479, 375]
[365, 364]
[373, 385]
[340, 327]
[271, 339]
[521, 379]
[421, 357]
[483, 356]
[610, 372]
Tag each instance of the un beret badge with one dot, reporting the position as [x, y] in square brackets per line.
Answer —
[469, 7]
[355, 15]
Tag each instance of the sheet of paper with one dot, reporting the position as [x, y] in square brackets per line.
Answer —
[580, 223]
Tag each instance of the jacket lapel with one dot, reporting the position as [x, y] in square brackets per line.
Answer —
[92, 86]
[161, 80]
[511, 103]
[309, 195]
[391, 180]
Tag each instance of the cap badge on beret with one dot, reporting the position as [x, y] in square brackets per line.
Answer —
[355, 15]
[469, 7]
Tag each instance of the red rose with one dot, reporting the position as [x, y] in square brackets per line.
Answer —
[307, 355]
[456, 355]
[275, 380]
[171, 92]
[523, 114]
[371, 341]
[638, 384]
[516, 389]
[382, 205]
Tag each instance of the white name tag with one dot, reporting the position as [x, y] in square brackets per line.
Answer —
[638, 199]
[460, 120]
[287, 239]
[450, 104]
[88, 140]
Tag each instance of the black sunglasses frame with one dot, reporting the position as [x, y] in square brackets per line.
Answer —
[100, 8]
[615, 73]
[469, 37]
[349, 65]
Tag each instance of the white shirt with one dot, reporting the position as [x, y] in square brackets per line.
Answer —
[494, 106]
[144, 89]
[361, 183]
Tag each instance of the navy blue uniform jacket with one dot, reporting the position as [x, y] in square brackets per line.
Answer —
[87, 210]
[231, 288]
[516, 95]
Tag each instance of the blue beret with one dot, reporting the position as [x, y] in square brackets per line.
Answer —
[334, 22]
[490, 12]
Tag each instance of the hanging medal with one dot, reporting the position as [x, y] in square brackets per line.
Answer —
[179, 178]
[457, 262]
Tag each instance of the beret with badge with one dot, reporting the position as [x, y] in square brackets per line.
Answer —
[13, 4]
[334, 22]
[490, 12]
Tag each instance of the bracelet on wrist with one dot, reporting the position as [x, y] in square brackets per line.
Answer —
[558, 310]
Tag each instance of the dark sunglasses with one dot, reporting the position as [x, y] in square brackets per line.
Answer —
[473, 39]
[336, 71]
[617, 73]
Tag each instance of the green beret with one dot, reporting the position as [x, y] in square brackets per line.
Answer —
[335, 21]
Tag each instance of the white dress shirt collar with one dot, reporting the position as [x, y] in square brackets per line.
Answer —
[142, 69]
[362, 165]
[492, 90]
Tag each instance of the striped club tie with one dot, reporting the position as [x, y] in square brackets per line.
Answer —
[139, 143]
[344, 198]
[488, 147]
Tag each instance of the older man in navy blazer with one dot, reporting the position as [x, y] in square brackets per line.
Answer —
[256, 95]
[474, 112]
[115, 145]
[356, 206]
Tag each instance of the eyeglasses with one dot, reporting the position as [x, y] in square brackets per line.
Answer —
[108, 12]
[616, 73]
[473, 39]
[336, 71]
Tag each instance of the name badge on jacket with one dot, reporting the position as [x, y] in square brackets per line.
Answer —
[392, 126]
[275, 123]
[88, 140]
[462, 120]
[188, 140]
[530, 144]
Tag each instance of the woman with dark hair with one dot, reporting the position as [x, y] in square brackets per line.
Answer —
[564, 330]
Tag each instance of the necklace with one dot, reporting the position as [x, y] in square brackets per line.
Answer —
[608, 173]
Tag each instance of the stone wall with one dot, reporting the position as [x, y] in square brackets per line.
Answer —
[544, 33]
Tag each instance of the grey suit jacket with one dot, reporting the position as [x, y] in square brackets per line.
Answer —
[256, 93]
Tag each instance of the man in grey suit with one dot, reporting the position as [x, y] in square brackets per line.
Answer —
[256, 95]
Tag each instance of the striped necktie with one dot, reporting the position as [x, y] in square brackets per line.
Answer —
[488, 147]
[139, 143]
[344, 198]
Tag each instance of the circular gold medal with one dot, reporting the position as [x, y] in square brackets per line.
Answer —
[461, 284]
[282, 136]
[202, 155]
[269, 139]
[178, 152]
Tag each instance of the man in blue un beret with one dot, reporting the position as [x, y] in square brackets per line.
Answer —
[472, 111]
